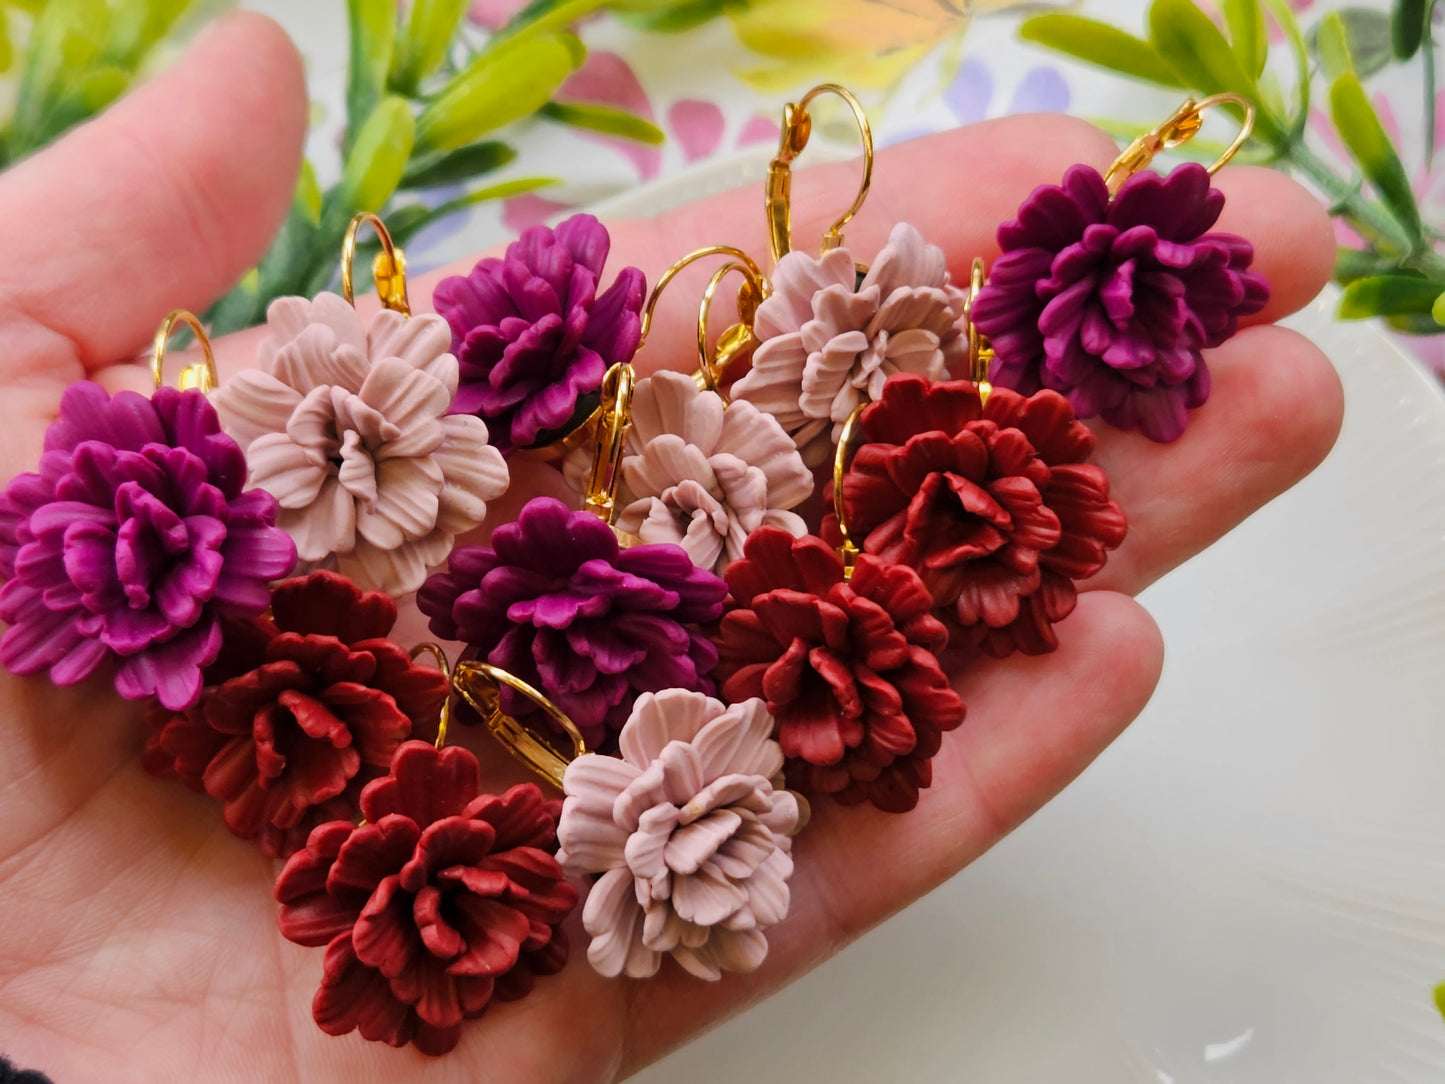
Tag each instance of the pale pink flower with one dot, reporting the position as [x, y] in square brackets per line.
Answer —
[346, 425]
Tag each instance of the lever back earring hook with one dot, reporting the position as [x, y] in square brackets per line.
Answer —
[201, 374]
[444, 719]
[480, 685]
[618, 384]
[848, 551]
[1181, 126]
[797, 127]
[980, 352]
[388, 270]
[737, 340]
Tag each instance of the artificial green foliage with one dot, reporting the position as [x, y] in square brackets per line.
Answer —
[429, 101]
[1396, 272]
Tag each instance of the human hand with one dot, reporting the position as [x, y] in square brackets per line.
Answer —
[139, 939]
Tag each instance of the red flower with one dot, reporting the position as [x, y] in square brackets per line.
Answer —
[443, 900]
[300, 710]
[848, 668]
[990, 502]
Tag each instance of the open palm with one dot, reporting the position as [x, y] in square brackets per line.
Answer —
[138, 937]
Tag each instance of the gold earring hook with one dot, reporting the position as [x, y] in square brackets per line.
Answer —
[201, 374]
[444, 718]
[1182, 126]
[388, 270]
[980, 352]
[480, 685]
[737, 340]
[618, 384]
[797, 127]
[848, 551]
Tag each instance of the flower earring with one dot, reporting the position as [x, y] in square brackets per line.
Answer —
[1110, 286]
[834, 330]
[350, 423]
[136, 539]
[444, 899]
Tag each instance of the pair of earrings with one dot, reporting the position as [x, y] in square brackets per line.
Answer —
[677, 646]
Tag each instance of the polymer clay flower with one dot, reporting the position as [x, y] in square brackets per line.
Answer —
[302, 708]
[1110, 302]
[558, 603]
[346, 424]
[443, 901]
[690, 834]
[991, 503]
[705, 475]
[848, 667]
[829, 341]
[132, 543]
[533, 333]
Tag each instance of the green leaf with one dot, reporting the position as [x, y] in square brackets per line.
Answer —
[1198, 51]
[454, 167]
[378, 157]
[137, 25]
[66, 37]
[1362, 133]
[671, 16]
[1332, 44]
[542, 17]
[87, 96]
[372, 27]
[505, 189]
[1388, 295]
[1364, 35]
[1248, 34]
[1353, 263]
[602, 118]
[308, 192]
[1407, 31]
[1101, 44]
[1284, 17]
[495, 90]
[430, 29]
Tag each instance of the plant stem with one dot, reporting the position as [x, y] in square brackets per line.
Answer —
[1370, 218]
[1429, 58]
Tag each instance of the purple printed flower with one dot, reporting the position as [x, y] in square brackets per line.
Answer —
[556, 602]
[1112, 302]
[132, 542]
[532, 333]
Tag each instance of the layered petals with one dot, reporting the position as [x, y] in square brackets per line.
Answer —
[689, 835]
[1112, 302]
[443, 901]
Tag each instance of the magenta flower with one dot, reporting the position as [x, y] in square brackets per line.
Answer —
[532, 333]
[557, 602]
[1112, 302]
[132, 542]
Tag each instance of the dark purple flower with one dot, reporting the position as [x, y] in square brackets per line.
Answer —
[557, 602]
[131, 543]
[532, 333]
[1111, 302]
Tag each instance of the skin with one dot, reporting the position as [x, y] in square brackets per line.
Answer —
[138, 940]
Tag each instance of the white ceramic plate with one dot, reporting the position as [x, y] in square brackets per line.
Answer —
[1250, 885]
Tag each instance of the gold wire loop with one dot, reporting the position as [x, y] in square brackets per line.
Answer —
[480, 685]
[618, 384]
[200, 374]
[980, 352]
[388, 270]
[797, 128]
[1182, 126]
[738, 340]
[748, 266]
[444, 719]
[848, 551]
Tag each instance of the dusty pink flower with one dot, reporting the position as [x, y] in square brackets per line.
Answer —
[705, 475]
[829, 342]
[346, 425]
[691, 833]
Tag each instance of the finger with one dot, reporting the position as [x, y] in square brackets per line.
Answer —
[1272, 416]
[1033, 724]
[163, 202]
